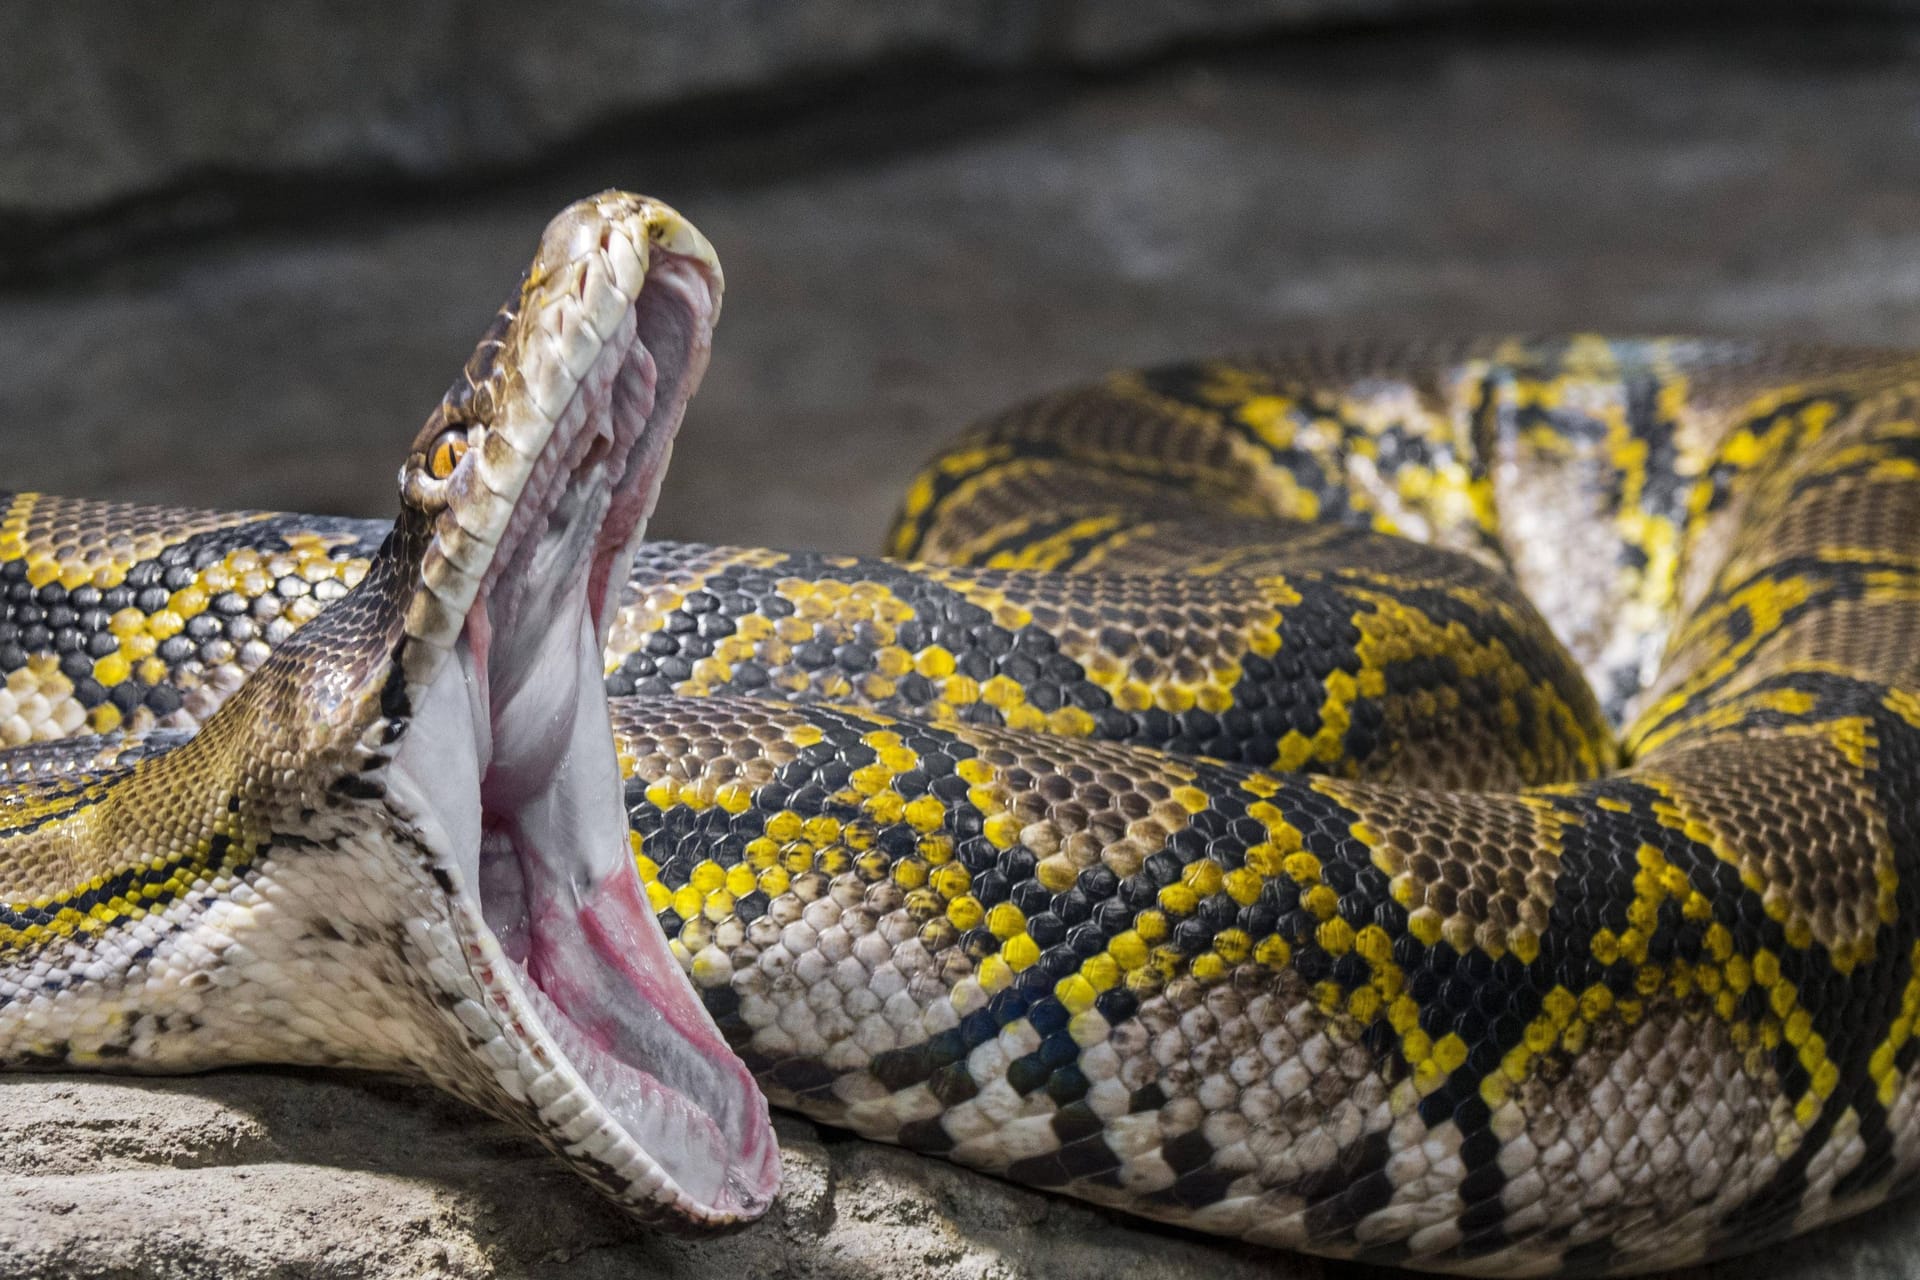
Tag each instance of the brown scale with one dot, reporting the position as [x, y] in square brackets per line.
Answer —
[1750, 419]
[1826, 584]
[1477, 871]
[1195, 662]
[189, 815]
[1801, 818]
[154, 625]
[84, 540]
[1849, 635]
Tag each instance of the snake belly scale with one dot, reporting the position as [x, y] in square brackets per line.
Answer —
[1455, 807]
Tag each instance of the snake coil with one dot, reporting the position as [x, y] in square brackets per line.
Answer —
[1457, 808]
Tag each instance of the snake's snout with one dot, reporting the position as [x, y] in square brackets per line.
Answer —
[535, 479]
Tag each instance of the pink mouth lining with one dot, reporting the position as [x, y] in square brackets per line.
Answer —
[555, 874]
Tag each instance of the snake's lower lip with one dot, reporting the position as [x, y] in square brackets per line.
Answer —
[558, 890]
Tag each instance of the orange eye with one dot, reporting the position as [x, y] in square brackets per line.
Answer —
[446, 453]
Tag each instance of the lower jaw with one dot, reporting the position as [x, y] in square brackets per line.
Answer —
[658, 1118]
[611, 996]
[552, 879]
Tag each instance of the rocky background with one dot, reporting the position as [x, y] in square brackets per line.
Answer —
[243, 248]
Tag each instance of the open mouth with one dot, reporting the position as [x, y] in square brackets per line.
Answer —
[507, 770]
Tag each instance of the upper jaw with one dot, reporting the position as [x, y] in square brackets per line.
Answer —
[505, 771]
[608, 267]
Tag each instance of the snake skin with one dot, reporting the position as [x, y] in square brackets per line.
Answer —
[1208, 823]
[215, 844]
[1586, 1024]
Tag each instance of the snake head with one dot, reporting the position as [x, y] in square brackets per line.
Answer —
[526, 494]
[523, 499]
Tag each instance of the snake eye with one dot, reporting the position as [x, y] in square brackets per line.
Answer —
[448, 448]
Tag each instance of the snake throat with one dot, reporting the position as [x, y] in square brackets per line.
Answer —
[507, 768]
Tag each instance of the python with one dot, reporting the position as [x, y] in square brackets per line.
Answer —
[1451, 807]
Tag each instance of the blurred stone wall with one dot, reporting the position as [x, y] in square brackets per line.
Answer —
[101, 103]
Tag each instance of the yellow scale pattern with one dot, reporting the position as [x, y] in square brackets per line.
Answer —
[1697, 1003]
[1421, 961]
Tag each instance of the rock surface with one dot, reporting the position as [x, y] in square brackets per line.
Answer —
[288, 1174]
[982, 246]
[101, 104]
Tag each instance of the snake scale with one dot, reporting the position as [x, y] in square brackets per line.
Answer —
[1456, 808]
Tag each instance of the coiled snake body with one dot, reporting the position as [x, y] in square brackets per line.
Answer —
[1207, 823]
